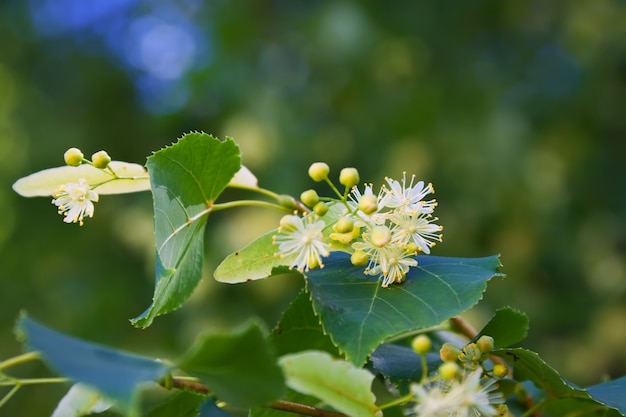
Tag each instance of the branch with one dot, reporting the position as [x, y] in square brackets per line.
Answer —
[305, 410]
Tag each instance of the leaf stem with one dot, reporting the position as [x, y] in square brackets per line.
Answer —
[242, 203]
[34, 381]
[397, 401]
[464, 327]
[191, 385]
[17, 360]
[305, 410]
[7, 397]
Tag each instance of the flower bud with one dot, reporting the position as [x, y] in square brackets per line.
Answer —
[320, 208]
[359, 258]
[287, 201]
[421, 344]
[485, 343]
[344, 224]
[288, 223]
[380, 236]
[449, 352]
[368, 204]
[100, 159]
[309, 197]
[318, 171]
[500, 370]
[349, 177]
[448, 370]
[73, 157]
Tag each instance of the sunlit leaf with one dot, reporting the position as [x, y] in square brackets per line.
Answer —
[79, 401]
[359, 314]
[117, 375]
[238, 367]
[336, 382]
[186, 179]
[131, 178]
[507, 327]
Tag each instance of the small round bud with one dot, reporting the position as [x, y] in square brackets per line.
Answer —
[449, 352]
[421, 344]
[318, 171]
[503, 410]
[359, 258]
[412, 247]
[287, 201]
[73, 157]
[344, 224]
[448, 370]
[500, 370]
[320, 208]
[349, 177]
[288, 223]
[309, 197]
[485, 343]
[100, 159]
[368, 204]
[380, 236]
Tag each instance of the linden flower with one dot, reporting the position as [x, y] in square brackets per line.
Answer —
[75, 200]
[476, 398]
[301, 240]
[417, 228]
[405, 198]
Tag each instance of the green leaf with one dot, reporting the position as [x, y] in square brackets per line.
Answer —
[507, 327]
[300, 329]
[359, 314]
[179, 404]
[132, 178]
[258, 259]
[238, 367]
[336, 382]
[611, 394]
[79, 401]
[186, 179]
[400, 363]
[116, 374]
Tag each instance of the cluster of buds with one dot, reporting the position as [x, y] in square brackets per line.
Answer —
[383, 232]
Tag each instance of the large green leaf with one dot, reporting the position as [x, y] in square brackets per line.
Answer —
[186, 178]
[238, 366]
[336, 382]
[116, 374]
[507, 327]
[359, 314]
[611, 394]
[131, 178]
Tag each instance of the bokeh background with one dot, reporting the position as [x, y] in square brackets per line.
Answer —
[515, 111]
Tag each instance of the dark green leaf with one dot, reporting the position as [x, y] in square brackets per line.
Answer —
[185, 178]
[507, 327]
[300, 329]
[116, 374]
[238, 366]
[359, 314]
[400, 363]
[180, 404]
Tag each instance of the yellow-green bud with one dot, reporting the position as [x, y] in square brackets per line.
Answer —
[500, 370]
[449, 352]
[349, 177]
[380, 236]
[100, 159]
[485, 343]
[288, 223]
[368, 204]
[412, 247]
[320, 208]
[359, 258]
[421, 344]
[344, 224]
[503, 410]
[287, 201]
[448, 370]
[309, 197]
[73, 157]
[318, 171]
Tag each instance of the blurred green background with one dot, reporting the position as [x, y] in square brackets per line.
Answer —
[515, 111]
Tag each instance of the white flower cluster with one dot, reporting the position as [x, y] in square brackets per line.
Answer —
[75, 201]
[384, 232]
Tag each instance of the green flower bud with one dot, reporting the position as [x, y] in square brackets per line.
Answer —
[73, 157]
[448, 370]
[449, 352]
[421, 344]
[412, 247]
[318, 171]
[287, 201]
[500, 370]
[309, 197]
[485, 343]
[380, 236]
[368, 204]
[344, 224]
[100, 159]
[320, 208]
[349, 177]
[359, 258]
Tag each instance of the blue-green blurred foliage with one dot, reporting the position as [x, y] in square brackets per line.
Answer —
[514, 110]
